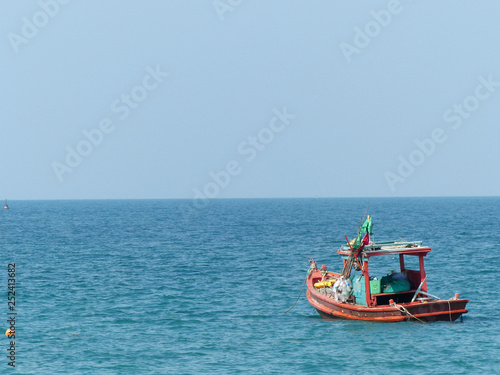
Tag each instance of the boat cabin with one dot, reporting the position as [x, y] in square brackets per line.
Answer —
[398, 287]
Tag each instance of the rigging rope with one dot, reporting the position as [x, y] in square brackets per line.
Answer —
[405, 311]
[284, 312]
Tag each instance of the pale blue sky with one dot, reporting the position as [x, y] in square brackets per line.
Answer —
[356, 116]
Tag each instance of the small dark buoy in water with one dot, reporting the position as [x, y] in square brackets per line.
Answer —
[6, 207]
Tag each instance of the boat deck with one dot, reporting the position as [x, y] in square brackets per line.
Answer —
[388, 248]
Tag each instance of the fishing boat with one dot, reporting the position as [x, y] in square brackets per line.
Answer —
[398, 296]
[6, 207]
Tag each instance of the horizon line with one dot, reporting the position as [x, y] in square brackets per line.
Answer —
[253, 198]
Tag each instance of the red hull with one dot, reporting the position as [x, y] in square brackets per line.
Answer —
[437, 310]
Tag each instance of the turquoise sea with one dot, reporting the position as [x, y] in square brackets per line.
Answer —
[163, 287]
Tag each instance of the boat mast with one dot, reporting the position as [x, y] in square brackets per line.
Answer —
[366, 275]
[422, 272]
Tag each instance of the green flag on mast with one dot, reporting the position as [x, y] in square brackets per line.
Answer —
[366, 228]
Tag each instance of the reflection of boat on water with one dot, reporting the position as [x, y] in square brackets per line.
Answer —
[393, 298]
[6, 207]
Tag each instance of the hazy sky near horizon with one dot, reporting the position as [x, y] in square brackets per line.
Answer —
[285, 98]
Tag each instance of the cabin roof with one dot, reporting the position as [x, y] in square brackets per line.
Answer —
[389, 248]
